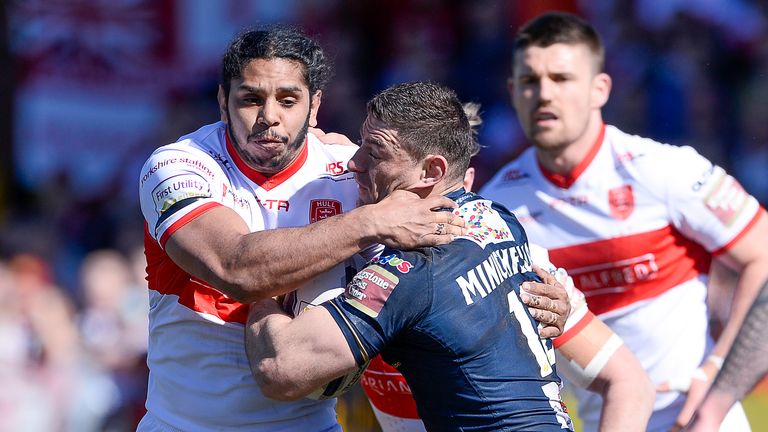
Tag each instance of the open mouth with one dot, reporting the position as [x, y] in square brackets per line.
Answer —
[544, 117]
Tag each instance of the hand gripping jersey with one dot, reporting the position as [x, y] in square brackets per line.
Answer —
[200, 378]
[390, 396]
[635, 225]
[451, 319]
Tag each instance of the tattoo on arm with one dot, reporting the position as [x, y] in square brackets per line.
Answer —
[747, 362]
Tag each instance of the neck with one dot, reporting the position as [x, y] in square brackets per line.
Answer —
[440, 189]
[564, 159]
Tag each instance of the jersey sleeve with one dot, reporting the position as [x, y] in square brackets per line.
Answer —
[580, 314]
[388, 296]
[178, 184]
[705, 203]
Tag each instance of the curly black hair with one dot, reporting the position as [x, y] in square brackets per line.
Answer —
[276, 42]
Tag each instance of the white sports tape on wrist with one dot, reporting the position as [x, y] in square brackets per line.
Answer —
[716, 360]
[683, 383]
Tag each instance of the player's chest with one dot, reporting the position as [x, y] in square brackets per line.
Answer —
[607, 205]
[291, 204]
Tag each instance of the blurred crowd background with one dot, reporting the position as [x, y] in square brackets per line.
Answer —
[89, 88]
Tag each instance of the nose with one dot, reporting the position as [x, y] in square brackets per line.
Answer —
[546, 89]
[357, 164]
[268, 115]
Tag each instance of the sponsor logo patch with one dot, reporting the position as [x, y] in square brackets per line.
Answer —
[705, 178]
[400, 264]
[621, 202]
[320, 209]
[335, 168]
[178, 188]
[484, 224]
[370, 289]
[727, 200]
[615, 276]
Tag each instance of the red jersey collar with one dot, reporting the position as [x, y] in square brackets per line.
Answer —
[566, 181]
[262, 180]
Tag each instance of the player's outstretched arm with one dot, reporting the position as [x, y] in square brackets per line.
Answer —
[596, 359]
[750, 257]
[745, 365]
[290, 358]
[218, 248]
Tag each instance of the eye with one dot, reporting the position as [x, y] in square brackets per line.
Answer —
[288, 102]
[252, 100]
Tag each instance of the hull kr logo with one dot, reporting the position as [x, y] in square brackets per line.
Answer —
[320, 209]
[621, 201]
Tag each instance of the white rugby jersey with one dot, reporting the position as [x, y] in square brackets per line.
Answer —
[200, 378]
[636, 225]
[389, 394]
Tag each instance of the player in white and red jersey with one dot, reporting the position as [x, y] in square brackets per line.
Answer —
[225, 210]
[634, 222]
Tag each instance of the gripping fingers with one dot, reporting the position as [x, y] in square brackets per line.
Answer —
[448, 224]
[543, 316]
[545, 276]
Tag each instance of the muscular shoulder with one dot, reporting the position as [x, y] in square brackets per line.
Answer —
[657, 166]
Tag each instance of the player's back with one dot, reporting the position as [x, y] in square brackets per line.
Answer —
[471, 353]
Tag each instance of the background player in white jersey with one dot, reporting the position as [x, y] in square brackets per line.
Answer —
[227, 210]
[635, 222]
[745, 365]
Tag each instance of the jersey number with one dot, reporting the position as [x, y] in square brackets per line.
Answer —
[544, 357]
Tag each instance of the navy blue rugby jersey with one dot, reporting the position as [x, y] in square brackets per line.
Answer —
[450, 319]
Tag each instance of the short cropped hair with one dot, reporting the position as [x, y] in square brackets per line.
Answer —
[560, 27]
[429, 119]
[278, 42]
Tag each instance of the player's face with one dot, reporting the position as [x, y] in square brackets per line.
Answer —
[381, 165]
[554, 90]
[267, 112]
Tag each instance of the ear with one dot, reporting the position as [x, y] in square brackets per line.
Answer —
[434, 169]
[313, 107]
[469, 179]
[222, 99]
[511, 88]
[601, 90]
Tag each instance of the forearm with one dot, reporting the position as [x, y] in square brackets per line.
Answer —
[627, 404]
[290, 358]
[273, 262]
[747, 361]
[748, 287]
[219, 248]
[596, 359]
[265, 348]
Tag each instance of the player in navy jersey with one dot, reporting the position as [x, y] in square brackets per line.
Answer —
[450, 317]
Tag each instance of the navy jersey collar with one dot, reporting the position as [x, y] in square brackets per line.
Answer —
[461, 196]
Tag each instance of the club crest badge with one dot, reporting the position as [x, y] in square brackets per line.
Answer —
[621, 201]
[320, 209]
